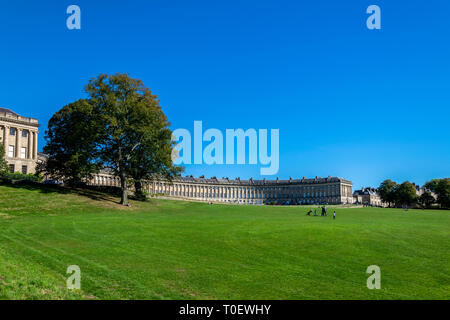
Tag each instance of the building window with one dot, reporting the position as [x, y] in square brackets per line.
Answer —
[11, 168]
[24, 169]
[11, 152]
[23, 152]
[24, 133]
[12, 131]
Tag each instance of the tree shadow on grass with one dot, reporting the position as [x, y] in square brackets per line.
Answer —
[93, 193]
[35, 186]
[97, 195]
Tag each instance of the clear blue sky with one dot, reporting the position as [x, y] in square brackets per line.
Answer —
[350, 102]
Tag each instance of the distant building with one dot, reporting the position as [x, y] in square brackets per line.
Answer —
[421, 190]
[331, 190]
[368, 197]
[19, 136]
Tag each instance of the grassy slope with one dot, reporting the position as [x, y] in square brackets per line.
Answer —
[175, 250]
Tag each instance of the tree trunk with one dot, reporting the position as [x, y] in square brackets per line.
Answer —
[138, 186]
[123, 186]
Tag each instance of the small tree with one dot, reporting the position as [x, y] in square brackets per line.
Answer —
[386, 190]
[426, 199]
[432, 184]
[443, 192]
[405, 194]
[3, 164]
[441, 187]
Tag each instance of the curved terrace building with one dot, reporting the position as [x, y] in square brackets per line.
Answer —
[330, 190]
[19, 136]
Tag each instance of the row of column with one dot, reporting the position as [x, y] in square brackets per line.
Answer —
[220, 193]
[105, 181]
[206, 192]
[235, 193]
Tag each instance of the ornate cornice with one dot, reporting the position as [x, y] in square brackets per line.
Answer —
[25, 123]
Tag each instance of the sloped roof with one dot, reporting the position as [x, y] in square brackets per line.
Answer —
[237, 181]
[5, 110]
[366, 191]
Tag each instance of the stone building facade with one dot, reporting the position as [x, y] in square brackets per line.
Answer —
[368, 197]
[19, 136]
[331, 190]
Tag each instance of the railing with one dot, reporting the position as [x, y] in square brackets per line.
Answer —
[19, 118]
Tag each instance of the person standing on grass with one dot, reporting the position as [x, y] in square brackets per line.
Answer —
[334, 214]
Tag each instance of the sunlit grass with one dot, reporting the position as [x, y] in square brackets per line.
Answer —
[167, 249]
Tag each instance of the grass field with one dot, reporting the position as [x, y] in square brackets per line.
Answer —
[167, 249]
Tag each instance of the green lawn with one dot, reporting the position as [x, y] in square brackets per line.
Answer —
[166, 249]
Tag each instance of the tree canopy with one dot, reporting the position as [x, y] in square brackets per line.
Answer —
[71, 143]
[120, 127]
[405, 194]
[400, 194]
[441, 187]
[386, 190]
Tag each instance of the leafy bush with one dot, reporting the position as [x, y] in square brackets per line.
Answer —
[3, 163]
[140, 195]
[21, 176]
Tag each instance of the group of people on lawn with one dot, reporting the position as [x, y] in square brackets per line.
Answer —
[324, 212]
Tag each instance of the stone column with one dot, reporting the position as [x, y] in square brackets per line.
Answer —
[29, 153]
[5, 139]
[35, 145]
[18, 133]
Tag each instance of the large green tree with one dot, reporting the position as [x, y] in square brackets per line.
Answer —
[134, 128]
[71, 144]
[405, 194]
[386, 190]
[3, 164]
[441, 187]
[120, 127]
